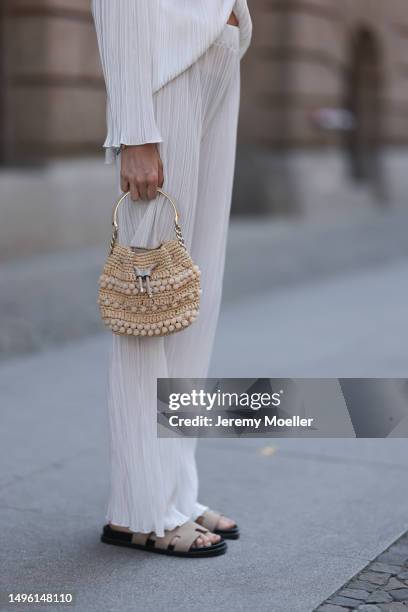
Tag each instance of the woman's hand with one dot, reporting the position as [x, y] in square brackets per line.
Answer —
[233, 20]
[141, 171]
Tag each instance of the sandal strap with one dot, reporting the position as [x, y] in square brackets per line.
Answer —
[140, 538]
[163, 541]
[187, 535]
[184, 537]
[210, 519]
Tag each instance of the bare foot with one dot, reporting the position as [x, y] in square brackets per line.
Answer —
[207, 540]
[203, 540]
[223, 523]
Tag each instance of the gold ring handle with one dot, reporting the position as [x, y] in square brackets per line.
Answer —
[115, 223]
[124, 196]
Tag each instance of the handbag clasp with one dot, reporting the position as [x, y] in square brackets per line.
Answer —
[143, 274]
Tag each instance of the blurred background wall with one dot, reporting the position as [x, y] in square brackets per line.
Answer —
[325, 106]
[53, 182]
[52, 89]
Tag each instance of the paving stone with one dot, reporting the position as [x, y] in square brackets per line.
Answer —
[345, 601]
[381, 587]
[354, 593]
[331, 608]
[394, 584]
[379, 597]
[362, 584]
[374, 577]
[386, 568]
[393, 557]
[400, 595]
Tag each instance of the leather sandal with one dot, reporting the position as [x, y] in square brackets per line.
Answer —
[210, 520]
[182, 546]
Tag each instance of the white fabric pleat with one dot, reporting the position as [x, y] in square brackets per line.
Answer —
[144, 44]
[124, 30]
[154, 483]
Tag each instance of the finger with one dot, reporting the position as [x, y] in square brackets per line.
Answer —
[152, 187]
[142, 188]
[134, 191]
[124, 184]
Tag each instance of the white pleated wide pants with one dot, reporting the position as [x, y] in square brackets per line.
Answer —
[154, 484]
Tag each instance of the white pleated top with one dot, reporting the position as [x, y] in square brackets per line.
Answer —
[144, 44]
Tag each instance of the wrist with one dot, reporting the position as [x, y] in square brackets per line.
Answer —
[123, 147]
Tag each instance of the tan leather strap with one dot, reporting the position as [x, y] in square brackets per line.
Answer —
[182, 538]
[140, 538]
[164, 541]
[210, 519]
[187, 535]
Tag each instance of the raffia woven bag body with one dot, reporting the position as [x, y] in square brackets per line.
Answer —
[149, 292]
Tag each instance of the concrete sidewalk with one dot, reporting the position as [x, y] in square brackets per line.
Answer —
[350, 325]
[312, 512]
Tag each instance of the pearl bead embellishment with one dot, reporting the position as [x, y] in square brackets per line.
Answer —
[165, 302]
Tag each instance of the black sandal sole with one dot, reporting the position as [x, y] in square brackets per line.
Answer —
[228, 534]
[208, 551]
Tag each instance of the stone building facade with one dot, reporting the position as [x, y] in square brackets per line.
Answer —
[324, 102]
[52, 94]
[325, 106]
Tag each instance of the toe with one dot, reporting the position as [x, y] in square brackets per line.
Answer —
[207, 539]
[225, 523]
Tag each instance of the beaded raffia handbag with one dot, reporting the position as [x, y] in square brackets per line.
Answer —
[149, 292]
